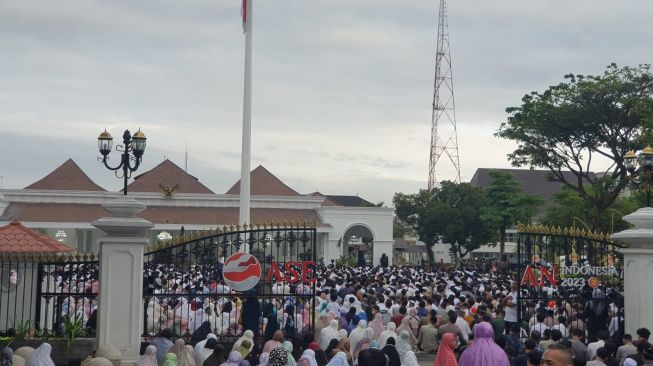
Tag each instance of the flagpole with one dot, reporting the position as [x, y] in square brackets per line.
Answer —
[244, 217]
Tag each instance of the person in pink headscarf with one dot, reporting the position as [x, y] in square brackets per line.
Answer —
[377, 325]
[483, 351]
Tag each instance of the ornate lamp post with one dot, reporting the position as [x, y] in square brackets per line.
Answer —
[132, 151]
[640, 167]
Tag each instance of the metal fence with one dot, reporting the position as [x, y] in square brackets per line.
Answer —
[571, 273]
[184, 285]
[40, 292]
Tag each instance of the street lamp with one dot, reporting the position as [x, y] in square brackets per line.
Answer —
[640, 167]
[131, 144]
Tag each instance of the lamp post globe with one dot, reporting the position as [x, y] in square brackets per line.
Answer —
[131, 155]
[105, 143]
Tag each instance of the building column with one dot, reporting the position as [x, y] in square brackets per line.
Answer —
[381, 247]
[638, 269]
[331, 250]
[120, 306]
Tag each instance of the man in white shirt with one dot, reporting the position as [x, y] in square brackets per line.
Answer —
[463, 325]
[592, 347]
[510, 304]
[561, 326]
[539, 325]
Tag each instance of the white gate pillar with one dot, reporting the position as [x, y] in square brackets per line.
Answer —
[120, 306]
[638, 269]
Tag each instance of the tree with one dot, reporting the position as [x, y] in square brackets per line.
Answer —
[451, 213]
[569, 125]
[568, 208]
[399, 230]
[418, 211]
[506, 204]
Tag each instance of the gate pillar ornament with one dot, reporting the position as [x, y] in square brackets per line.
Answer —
[638, 269]
[120, 305]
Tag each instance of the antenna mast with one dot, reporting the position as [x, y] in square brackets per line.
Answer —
[444, 136]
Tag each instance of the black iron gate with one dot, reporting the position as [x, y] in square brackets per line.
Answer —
[43, 293]
[571, 276]
[184, 285]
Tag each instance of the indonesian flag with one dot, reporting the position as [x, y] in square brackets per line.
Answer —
[243, 12]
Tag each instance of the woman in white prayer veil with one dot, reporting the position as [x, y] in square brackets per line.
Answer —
[387, 333]
[404, 345]
[328, 333]
[358, 333]
[410, 359]
[41, 356]
[198, 351]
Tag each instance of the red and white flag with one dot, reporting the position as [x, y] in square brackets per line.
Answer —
[243, 12]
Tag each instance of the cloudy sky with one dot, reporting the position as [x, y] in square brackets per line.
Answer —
[342, 88]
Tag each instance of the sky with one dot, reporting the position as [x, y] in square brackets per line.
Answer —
[342, 89]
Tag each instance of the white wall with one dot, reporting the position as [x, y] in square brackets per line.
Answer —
[378, 220]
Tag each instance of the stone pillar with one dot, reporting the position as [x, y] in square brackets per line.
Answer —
[638, 269]
[120, 307]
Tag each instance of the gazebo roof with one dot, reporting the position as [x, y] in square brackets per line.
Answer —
[16, 238]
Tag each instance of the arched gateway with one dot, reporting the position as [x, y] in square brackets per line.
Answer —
[573, 273]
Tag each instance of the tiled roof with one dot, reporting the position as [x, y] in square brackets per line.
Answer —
[169, 175]
[48, 212]
[225, 215]
[53, 212]
[16, 238]
[350, 201]
[531, 181]
[67, 177]
[264, 183]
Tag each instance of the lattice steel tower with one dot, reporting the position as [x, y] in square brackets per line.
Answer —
[444, 137]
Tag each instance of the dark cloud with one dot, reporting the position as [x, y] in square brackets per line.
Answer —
[341, 87]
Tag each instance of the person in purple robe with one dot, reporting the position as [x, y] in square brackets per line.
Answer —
[483, 351]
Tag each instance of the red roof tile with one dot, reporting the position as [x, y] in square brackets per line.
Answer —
[54, 212]
[67, 177]
[224, 215]
[49, 212]
[169, 175]
[264, 183]
[16, 238]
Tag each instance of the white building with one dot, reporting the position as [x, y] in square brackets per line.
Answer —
[63, 204]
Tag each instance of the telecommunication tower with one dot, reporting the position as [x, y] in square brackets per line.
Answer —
[444, 137]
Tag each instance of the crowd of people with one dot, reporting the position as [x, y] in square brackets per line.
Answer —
[465, 316]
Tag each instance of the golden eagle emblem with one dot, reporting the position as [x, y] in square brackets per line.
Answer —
[168, 191]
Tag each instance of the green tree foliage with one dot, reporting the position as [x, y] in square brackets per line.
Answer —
[451, 213]
[568, 209]
[400, 230]
[573, 124]
[506, 204]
